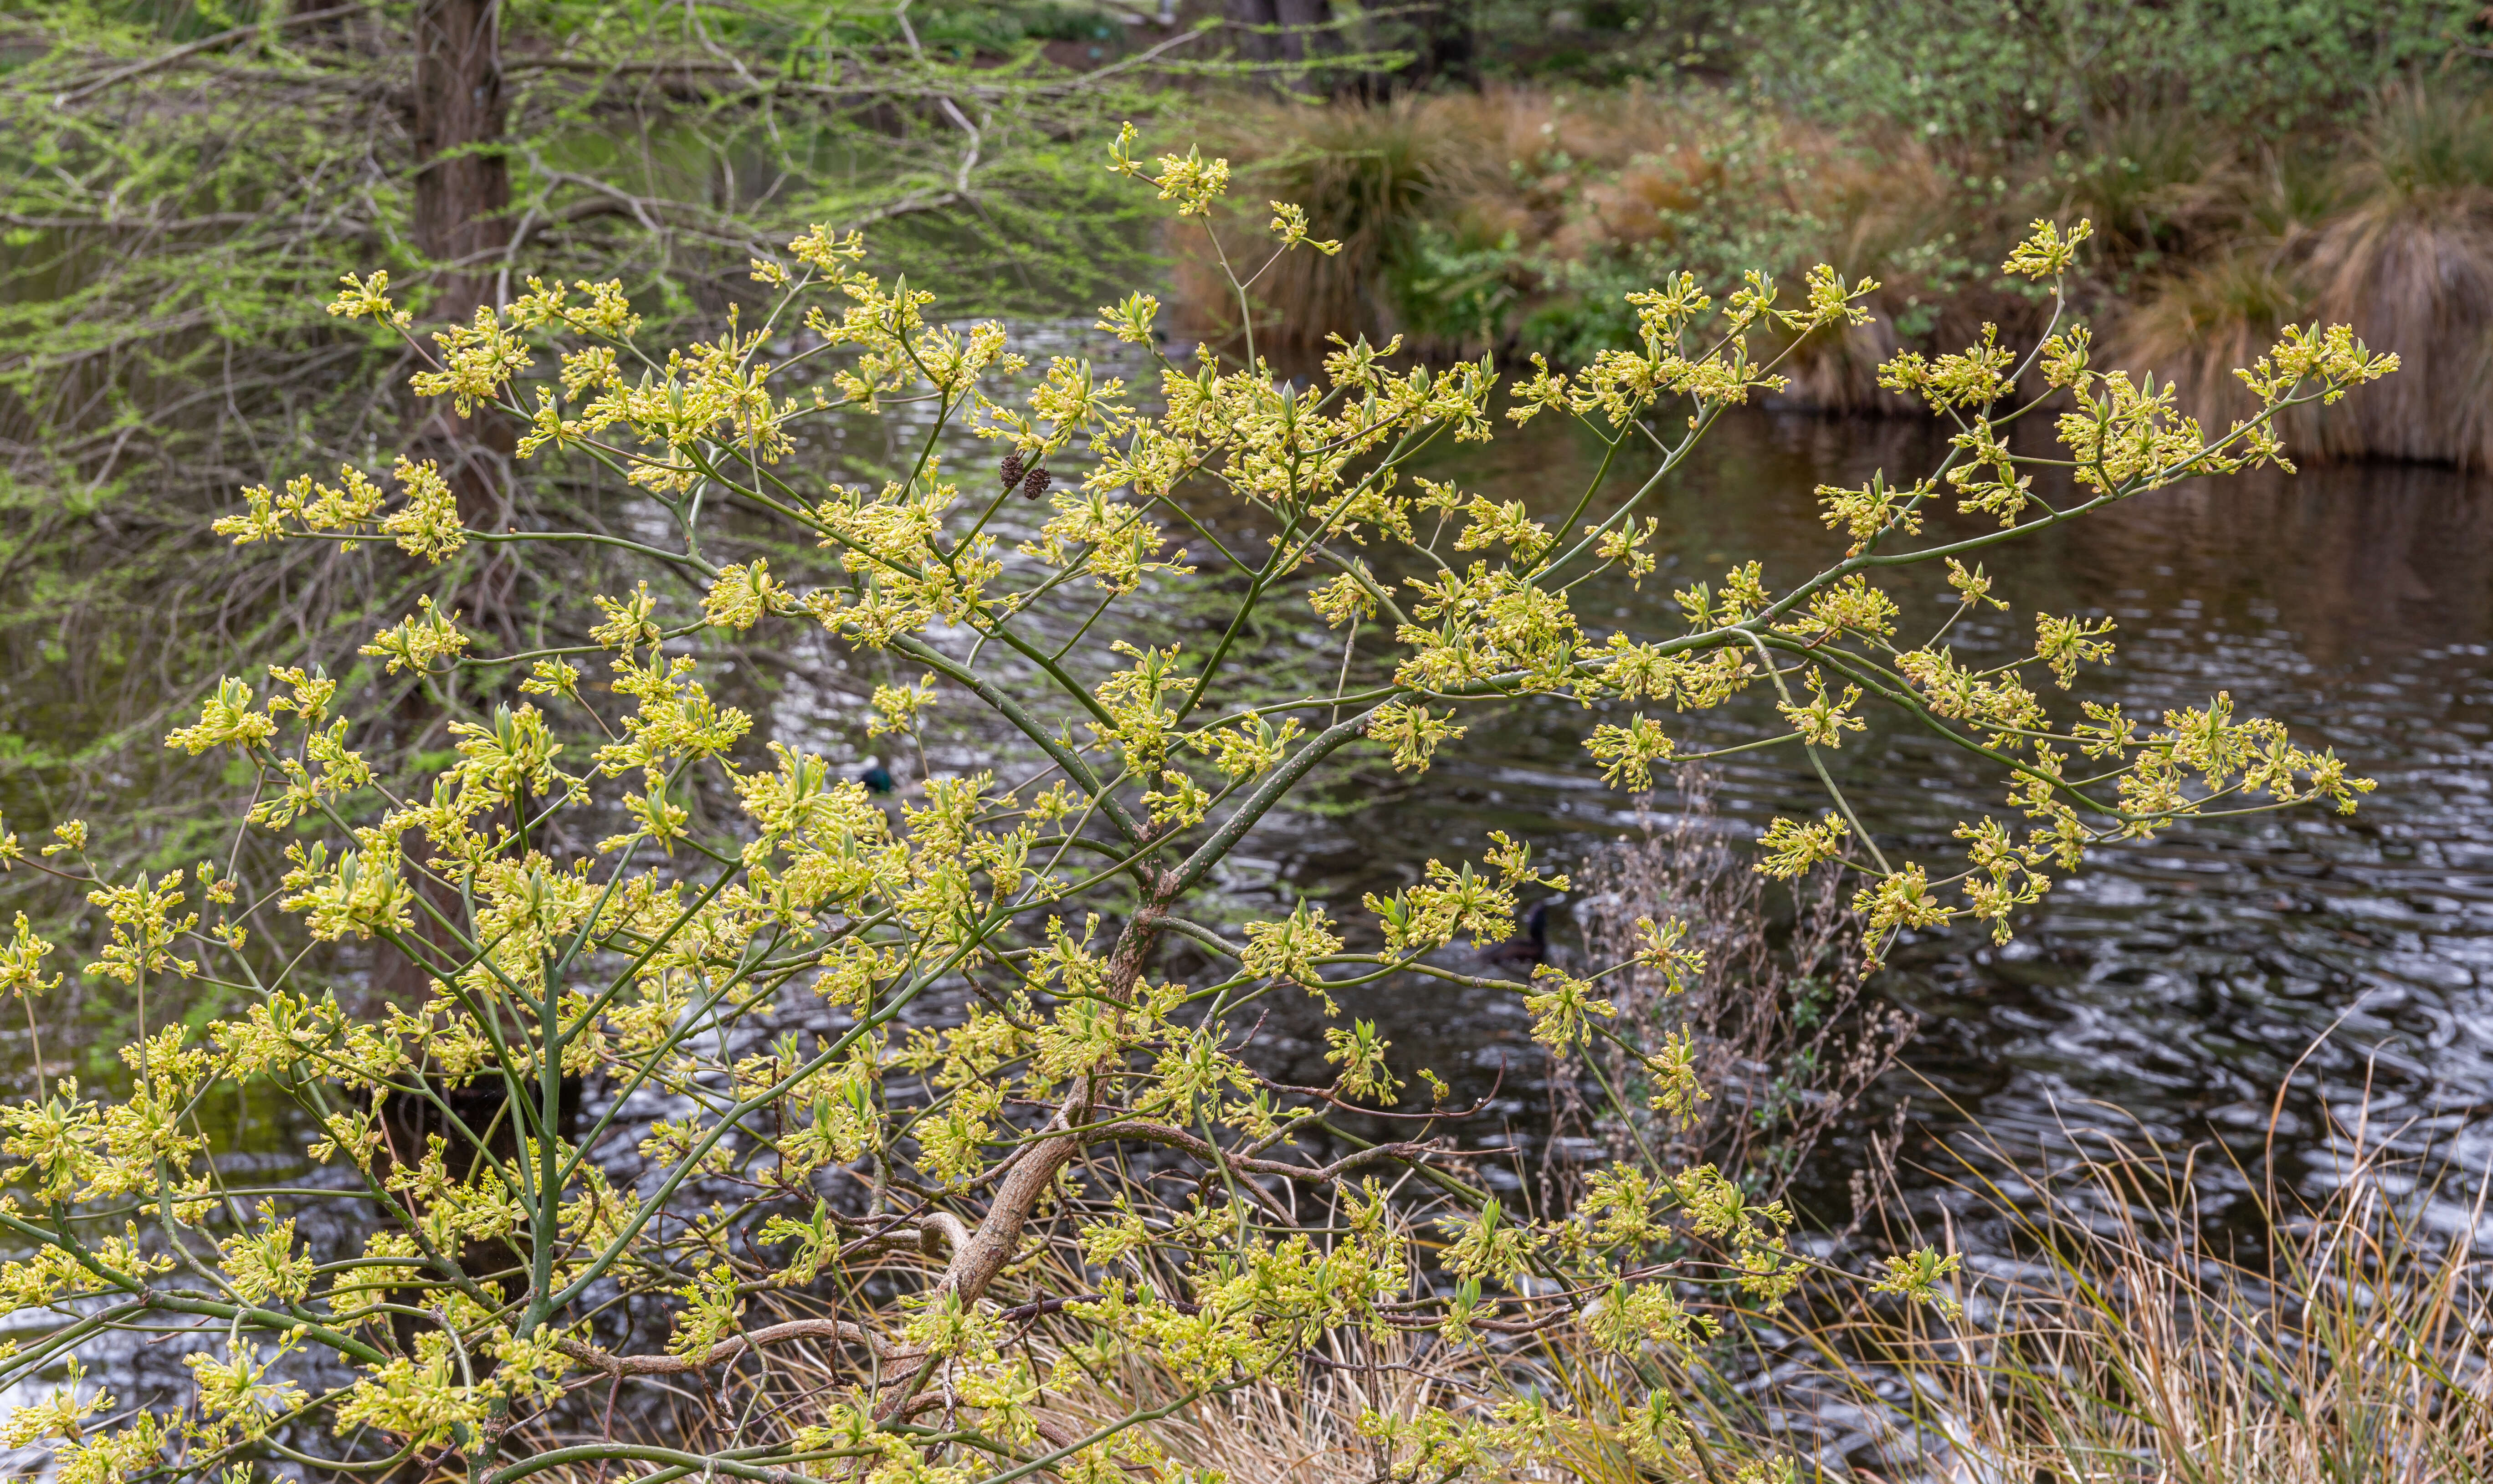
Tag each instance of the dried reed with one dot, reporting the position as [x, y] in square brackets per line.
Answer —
[2397, 242]
[1513, 219]
[2124, 1336]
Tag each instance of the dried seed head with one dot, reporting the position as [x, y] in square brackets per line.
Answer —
[1011, 469]
[1035, 484]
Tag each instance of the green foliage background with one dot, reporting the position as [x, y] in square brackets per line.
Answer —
[182, 184]
[1988, 70]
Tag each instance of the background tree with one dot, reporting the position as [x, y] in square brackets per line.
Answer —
[179, 183]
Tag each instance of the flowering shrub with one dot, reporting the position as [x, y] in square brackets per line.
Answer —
[598, 1170]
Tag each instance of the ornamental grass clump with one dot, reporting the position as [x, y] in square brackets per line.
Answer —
[2399, 235]
[749, 1131]
[2126, 1330]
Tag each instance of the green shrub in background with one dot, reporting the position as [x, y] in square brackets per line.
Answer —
[1979, 71]
[1985, 70]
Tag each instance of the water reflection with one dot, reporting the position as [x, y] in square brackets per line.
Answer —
[2172, 983]
[2168, 986]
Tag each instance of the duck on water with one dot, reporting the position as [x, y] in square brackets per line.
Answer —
[1529, 947]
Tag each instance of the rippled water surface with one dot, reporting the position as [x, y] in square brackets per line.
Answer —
[2169, 987]
[2175, 982]
[2172, 983]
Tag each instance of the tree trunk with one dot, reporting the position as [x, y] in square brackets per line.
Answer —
[463, 190]
[1307, 28]
[1285, 29]
[462, 193]
[462, 183]
[1442, 46]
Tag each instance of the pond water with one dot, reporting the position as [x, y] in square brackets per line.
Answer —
[2174, 983]
[2166, 989]
[2170, 986]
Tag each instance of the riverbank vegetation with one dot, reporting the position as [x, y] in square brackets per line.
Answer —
[2107, 1332]
[2248, 164]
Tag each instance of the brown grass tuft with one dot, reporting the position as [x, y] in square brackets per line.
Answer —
[1366, 173]
[1542, 208]
[1514, 219]
[2406, 256]
[2130, 1343]
[2155, 180]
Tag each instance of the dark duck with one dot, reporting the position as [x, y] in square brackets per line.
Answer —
[1529, 947]
[877, 778]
